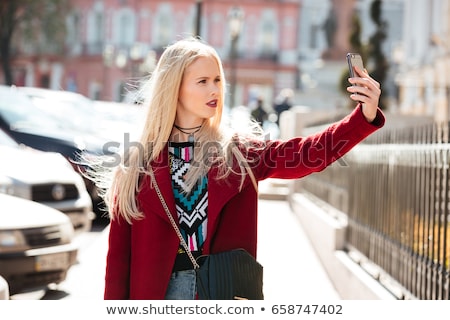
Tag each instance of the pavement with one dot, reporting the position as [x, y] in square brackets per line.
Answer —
[292, 270]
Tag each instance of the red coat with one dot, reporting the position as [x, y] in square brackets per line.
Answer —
[140, 256]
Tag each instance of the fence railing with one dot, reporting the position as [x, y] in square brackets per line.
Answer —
[395, 189]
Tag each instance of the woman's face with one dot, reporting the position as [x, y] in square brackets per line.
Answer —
[200, 92]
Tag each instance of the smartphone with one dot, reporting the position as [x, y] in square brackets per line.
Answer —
[354, 59]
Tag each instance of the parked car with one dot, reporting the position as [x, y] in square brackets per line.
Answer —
[36, 244]
[75, 111]
[30, 125]
[45, 177]
[118, 119]
[107, 120]
[112, 124]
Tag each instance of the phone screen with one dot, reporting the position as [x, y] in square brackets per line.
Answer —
[354, 59]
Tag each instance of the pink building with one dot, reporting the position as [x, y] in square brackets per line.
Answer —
[113, 43]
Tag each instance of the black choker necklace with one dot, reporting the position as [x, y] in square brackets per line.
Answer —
[188, 131]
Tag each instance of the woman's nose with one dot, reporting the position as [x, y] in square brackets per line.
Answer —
[215, 90]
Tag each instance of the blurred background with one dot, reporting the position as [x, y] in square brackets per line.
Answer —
[101, 48]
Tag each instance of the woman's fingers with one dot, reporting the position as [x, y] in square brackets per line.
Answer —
[364, 76]
[366, 90]
[364, 84]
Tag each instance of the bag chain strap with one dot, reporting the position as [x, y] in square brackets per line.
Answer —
[172, 221]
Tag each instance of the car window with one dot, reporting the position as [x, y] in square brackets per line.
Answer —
[74, 112]
[20, 113]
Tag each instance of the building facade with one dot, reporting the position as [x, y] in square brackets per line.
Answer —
[112, 44]
[423, 60]
[297, 44]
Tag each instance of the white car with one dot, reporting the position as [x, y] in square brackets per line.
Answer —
[73, 110]
[36, 244]
[44, 177]
[106, 120]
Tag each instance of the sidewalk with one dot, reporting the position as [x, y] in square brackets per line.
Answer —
[292, 270]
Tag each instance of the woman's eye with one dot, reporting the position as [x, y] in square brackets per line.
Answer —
[217, 80]
[202, 81]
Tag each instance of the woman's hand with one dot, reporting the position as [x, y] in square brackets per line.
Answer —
[367, 91]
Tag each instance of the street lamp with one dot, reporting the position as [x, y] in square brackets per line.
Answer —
[108, 61]
[198, 18]
[112, 60]
[236, 18]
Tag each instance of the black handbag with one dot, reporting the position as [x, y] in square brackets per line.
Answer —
[228, 275]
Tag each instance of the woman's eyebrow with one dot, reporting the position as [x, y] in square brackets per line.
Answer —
[208, 77]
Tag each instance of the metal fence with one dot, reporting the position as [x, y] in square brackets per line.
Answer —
[394, 188]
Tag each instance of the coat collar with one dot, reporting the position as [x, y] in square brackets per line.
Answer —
[219, 193]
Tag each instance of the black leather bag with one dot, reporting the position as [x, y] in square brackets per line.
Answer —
[229, 275]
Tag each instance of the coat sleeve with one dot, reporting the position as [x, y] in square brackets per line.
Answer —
[300, 156]
[117, 277]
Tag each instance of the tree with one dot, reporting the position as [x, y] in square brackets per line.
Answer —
[372, 53]
[40, 23]
[356, 46]
[375, 49]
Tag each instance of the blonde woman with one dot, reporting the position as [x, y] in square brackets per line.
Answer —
[207, 174]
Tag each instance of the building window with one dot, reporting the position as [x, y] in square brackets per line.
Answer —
[268, 31]
[164, 34]
[267, 36]
[163, 25]
[99, 27]
[96, 29]
[73, 28]
[124, 28]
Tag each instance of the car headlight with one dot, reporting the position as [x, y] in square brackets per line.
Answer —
[6, 185]
[11, 240]
[7, 189]
[67, 232]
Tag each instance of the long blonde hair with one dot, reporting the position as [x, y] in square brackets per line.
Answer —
[160, 93]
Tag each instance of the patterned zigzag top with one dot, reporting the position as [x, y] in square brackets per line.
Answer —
[192, 206]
